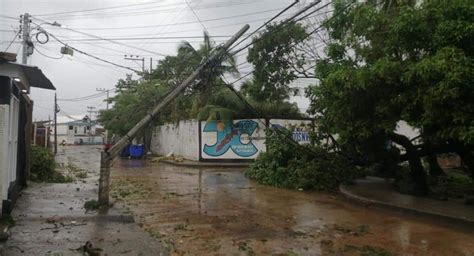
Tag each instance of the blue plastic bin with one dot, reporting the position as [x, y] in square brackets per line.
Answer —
[137, 151]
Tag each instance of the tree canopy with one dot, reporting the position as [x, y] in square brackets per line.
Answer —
[404, 61]
[275, 59]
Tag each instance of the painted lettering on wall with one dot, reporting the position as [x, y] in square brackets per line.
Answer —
[236, 137]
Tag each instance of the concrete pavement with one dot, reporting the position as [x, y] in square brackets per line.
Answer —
[51, 220]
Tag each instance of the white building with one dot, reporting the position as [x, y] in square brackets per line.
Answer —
[77, 129]
[16, 109]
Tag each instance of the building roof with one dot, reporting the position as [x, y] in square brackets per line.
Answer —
[29, 76]
[71, 119]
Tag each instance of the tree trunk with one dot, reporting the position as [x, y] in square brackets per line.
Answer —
[435, 170]
[417, 171]
[467, 157]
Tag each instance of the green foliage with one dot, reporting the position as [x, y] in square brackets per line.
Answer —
[43, 167]
[276, 61]
[136, 98]
[131, 105]
[392, 62]
[91, 205]
[288, 165]
[7, 220]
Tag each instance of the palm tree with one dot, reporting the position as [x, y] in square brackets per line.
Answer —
[210, 79]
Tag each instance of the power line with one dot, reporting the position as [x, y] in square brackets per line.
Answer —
[180, 23]
[176, 31]
[88, 97]
[90, 55]
[11, 42]
[139, 38]
[8, 17]
[283, 24]
[264, 24]
[47, 56]
[195, 15]
[112, 41]
[135, 12]
[95, 9]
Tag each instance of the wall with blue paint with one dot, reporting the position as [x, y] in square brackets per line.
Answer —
[222, 140]
[232, 139]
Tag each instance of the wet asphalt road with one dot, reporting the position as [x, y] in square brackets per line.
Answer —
[221, 212]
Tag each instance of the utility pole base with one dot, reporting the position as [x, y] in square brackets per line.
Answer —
[104, 179]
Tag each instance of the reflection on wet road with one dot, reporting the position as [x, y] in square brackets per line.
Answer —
[209, 211]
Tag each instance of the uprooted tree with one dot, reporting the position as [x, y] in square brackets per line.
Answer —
[395, 61]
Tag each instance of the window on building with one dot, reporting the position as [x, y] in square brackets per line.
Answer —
[84, 129]
[75, 129]
[71, 127]
[88, 128]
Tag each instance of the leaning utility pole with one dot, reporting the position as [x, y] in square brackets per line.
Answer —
[25, 28]
[107, 156]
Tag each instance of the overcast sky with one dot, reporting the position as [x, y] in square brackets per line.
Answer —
[158, 25]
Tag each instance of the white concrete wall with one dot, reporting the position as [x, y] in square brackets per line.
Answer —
[182, 139]
[4, 116]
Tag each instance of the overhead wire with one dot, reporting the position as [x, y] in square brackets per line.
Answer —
[265, 24]
[138, 12]
[90, 55]
[112, 41]
[47, 56]
[195, 15]
[95, 9]
[140, 38]
[282, 25]
[182, 23]
[88, 97]
[11, 42]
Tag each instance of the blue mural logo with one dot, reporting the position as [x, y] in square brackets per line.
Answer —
[229, 136]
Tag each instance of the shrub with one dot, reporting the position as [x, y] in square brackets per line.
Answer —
[43, 167]
[286, 164]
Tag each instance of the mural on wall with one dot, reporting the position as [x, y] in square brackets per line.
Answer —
[231, 139]
[245, 139]
[301, 128]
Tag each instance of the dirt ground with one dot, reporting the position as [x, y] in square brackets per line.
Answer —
[221, 212]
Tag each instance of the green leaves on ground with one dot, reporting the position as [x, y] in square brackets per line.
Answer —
[288, 165]
[43, 167]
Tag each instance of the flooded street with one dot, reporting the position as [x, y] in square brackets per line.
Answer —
[220, 212]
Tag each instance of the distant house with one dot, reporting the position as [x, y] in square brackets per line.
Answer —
[41, 133]
[16, 110]
[77, 129]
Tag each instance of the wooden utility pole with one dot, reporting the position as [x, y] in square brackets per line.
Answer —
[56, 110]
[107, 156]
[107, 91]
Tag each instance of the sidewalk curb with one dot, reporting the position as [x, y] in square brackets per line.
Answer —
[206, 164]
[371, 202]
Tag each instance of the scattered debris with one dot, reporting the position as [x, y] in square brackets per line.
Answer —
[89, 249]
